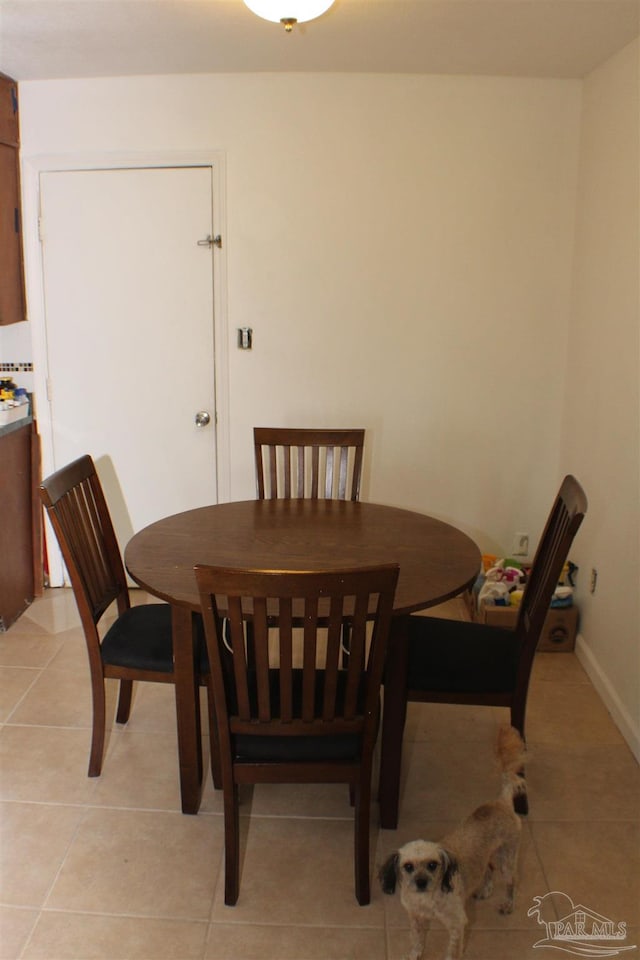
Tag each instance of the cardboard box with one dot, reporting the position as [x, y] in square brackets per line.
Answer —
[559, 630]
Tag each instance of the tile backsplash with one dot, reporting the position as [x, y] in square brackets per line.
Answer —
[21, 372]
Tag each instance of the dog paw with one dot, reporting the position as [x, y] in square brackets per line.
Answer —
[485, 890]
[506, 906]
[483, 894]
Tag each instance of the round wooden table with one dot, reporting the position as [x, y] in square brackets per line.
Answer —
[436, 560]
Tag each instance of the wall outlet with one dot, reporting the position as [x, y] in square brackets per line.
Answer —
[520, 545]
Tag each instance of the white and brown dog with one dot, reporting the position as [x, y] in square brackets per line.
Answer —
[436, 879]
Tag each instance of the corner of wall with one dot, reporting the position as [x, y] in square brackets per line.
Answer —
[629, 728]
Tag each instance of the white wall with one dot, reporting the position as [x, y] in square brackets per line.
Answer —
[417, 255]
[401, 246]
[601, 435]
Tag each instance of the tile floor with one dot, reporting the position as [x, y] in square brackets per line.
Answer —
[109, 869]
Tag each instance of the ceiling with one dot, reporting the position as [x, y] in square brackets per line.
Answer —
[47, 39]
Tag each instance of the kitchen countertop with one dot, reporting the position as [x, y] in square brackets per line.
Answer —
[17, 424]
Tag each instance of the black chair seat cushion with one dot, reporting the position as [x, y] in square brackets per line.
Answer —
[296, 749]
[458, 656]
[342, 747]
[141, 639]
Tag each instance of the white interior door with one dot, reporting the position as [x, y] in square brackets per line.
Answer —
[129, 327]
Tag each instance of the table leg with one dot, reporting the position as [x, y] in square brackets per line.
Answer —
[393, 720]
[187, 709]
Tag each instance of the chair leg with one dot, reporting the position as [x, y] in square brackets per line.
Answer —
[124, 701]
[521, 800]
[231, 845]
[187, 695]
[214, 747]
[361, 839]
[393, 720]
[97, 736]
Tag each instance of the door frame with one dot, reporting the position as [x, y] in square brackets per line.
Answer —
[32, 168]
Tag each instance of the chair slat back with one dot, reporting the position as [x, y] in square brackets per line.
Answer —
[561, 527]
[294, 683]
[76, 506]
[301, 463]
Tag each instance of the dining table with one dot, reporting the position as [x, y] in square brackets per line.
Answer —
[437, 562]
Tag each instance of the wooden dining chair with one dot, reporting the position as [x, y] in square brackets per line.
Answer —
[287, 718]
[305, 463]
[308, 463]
[452, 661]
[138, 644]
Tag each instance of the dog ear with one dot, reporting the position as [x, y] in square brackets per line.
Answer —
[449, 868]
[388, 873]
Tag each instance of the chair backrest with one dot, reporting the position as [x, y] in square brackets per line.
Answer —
[294, 684]
[76, 506]
[562, 525]
[301, 463]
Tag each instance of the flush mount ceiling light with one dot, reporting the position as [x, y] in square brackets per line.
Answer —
[289, 12]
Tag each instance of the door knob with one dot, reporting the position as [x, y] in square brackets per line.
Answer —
[202, 418]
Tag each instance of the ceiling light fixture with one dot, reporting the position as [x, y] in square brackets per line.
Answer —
[289, 12]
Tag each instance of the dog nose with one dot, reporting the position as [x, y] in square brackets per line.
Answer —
[422, 883]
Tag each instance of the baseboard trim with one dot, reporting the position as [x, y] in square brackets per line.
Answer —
[629, 730]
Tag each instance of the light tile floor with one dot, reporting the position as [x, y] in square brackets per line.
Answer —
[109, 869]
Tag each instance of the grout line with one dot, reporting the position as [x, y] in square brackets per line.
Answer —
[126, 916]
[63, 860]
[38, 671]
[44, 726]
[534, 826]
[31, 931]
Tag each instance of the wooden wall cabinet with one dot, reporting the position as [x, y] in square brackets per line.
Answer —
[12, 290]
[20, 520]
